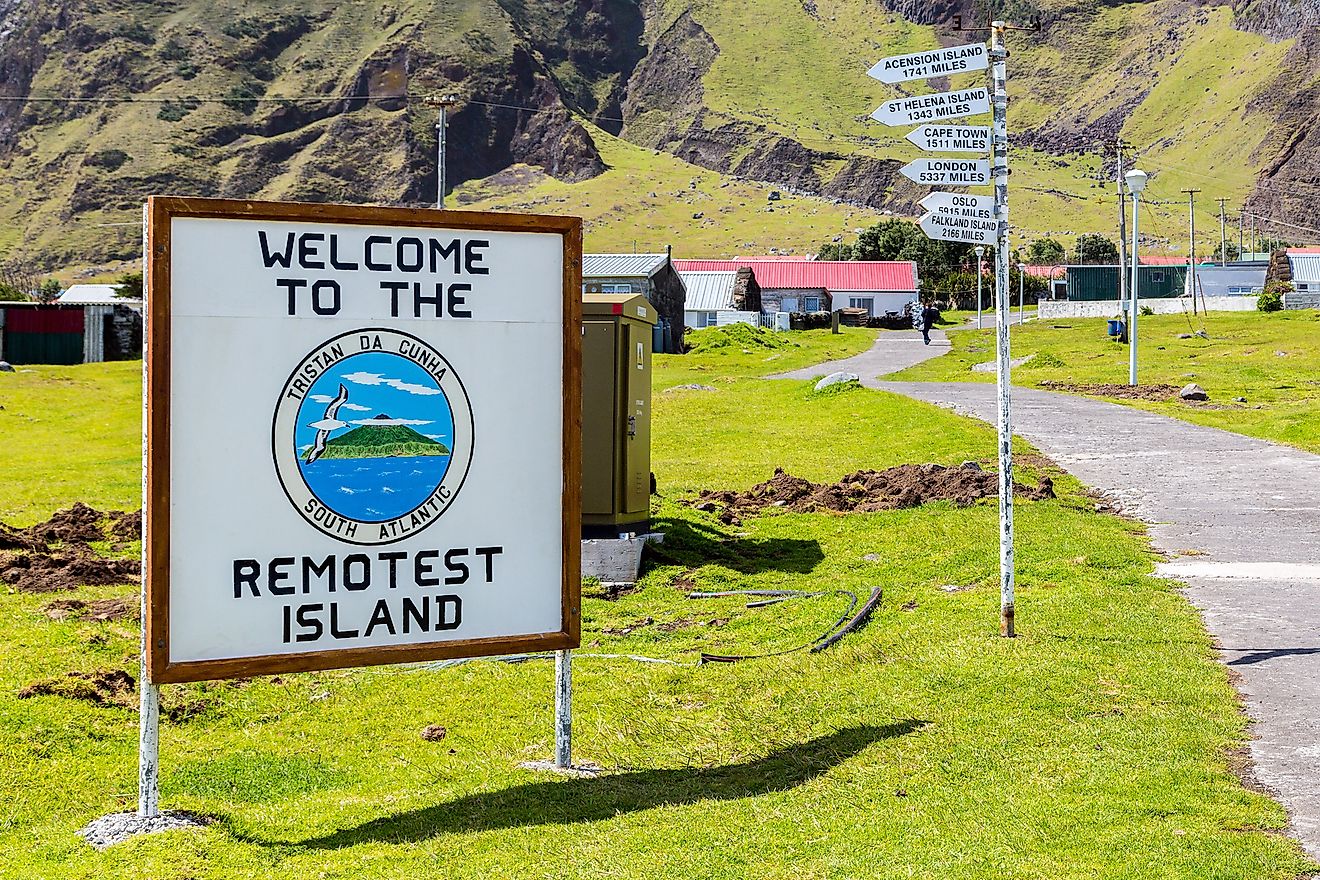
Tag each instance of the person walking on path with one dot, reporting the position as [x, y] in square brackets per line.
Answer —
[929, 315]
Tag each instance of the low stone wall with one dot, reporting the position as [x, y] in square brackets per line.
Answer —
[1301, 300]
[1054, 309]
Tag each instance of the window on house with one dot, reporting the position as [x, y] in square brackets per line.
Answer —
[1302, 286]
[616, 287]
[862, 302]
[812, 304]
[1157, 277]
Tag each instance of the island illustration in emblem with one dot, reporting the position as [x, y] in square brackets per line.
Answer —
[373, 436]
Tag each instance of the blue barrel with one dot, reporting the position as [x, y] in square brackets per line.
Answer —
[1115, 328]
[658, 336]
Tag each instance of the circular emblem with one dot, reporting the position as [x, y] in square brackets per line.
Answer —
[372, 436]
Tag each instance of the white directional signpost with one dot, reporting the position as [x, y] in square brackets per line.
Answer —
[948, 172]
[967, 219]
[952, 138]
[362, 440]
[924, 65]
[927, 108]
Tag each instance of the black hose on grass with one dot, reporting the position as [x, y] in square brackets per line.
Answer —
[846, 623]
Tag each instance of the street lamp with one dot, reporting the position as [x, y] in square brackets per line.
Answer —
[1022, 272]
[1136, 182]
[979, 251]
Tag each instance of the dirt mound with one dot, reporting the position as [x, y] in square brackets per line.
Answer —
[34, 567]
[52, 572]
[908, 485]
[126, 525]
[98, 610]
[79, 524]
[112, 687]
[1156, 391]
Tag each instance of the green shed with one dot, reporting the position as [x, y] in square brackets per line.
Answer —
[1094, 283]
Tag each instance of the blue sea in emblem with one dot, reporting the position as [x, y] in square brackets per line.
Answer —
[373, 389]
[375, 489]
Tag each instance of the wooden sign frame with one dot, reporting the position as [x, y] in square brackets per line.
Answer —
[160, 211]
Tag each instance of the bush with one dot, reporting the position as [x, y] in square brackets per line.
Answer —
[1271, 298]
[737, 336]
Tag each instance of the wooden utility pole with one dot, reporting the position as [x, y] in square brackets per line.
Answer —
[1191, 244]
[444, 102]
[1223, 242]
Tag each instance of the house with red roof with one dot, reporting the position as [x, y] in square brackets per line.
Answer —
[801, 285]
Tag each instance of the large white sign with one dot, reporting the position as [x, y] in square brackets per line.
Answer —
[951, 227]
[952, 138]
[923, 65]
[928, 108]
[365, 444]
[948, 172]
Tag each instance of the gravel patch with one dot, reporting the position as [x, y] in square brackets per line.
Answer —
[119, 827]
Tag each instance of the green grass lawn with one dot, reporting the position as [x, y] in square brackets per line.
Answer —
[1099, 744]
[1273, 360]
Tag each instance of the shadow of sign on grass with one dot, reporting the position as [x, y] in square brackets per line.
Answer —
[695, 544]
[590, 800]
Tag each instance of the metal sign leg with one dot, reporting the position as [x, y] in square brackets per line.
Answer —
[148, 747]
[563, 710]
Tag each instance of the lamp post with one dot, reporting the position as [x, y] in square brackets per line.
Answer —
[1136, 182]
[979, 251]
[1022, 272]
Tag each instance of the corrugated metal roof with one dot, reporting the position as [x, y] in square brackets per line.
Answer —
[1162, 260]
[842, 275]
[92, 295]
[1305, 267]
[1216, 280]
[709, 291]
[622, 265]
[1046, 271]
[1303, 250]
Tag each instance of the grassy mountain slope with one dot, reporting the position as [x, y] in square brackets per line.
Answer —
[323, 101]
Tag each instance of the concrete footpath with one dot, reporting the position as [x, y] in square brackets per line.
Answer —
[1249, 512]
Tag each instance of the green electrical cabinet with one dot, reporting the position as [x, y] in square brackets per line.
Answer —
[616, 413]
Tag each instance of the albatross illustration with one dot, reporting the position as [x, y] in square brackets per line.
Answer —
[327, 424]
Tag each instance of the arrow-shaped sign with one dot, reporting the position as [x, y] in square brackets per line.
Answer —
[937, 105]
[959, 203]
[968, 230]
[952, 138]
[923, 65]
[948, 172]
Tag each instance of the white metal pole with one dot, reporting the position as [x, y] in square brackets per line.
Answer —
[1136, 294]
[148, 693]
[978, 251]
[563, 709]
[999, 168]
[148, 745]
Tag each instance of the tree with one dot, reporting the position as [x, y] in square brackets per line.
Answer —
[904, 240]
[48, 291]
[1270, 245]
[1092, 247]
[20, 279]
[1230, 253]
[1045, 252]
[833, 250]
[129, 285]
[10, 293]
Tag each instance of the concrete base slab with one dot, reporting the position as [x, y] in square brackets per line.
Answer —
[585, 770]
[119, 827]
[615, 562]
